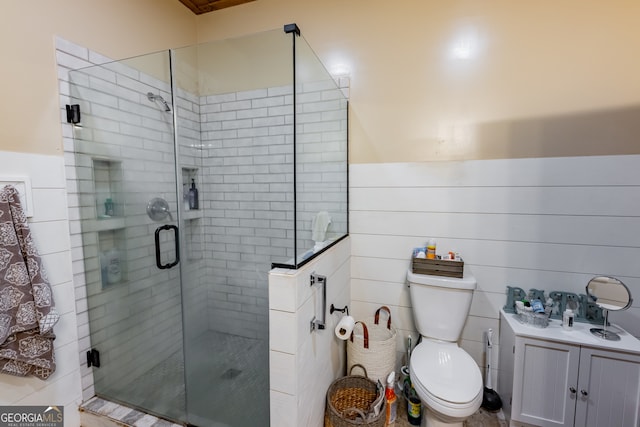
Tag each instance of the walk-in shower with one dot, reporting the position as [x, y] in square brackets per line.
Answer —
[254, 131]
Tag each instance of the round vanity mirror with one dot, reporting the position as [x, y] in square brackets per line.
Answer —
[608, 293]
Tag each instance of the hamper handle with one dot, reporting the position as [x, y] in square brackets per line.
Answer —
[358, 412]
[377, 317]
[357, 365]
[365, 333]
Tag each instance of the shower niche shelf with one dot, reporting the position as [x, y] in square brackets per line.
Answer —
[192, 214]
[188, 175]
[107, 182]
[106, 224]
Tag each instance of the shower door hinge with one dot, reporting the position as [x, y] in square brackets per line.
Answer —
[93, 358]
[73, 113]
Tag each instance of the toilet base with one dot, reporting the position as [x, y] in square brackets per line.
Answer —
[429, 420]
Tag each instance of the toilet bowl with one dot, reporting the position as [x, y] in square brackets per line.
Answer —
[446, 378]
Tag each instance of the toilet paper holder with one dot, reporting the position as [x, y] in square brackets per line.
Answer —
[322, 281]
[341, 310]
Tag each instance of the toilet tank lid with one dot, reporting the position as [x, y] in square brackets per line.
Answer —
[466, 282]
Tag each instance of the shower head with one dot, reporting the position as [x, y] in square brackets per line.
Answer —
[153, 97]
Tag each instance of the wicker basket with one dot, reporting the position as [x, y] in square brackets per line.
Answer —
[375, 348]
[350, 400]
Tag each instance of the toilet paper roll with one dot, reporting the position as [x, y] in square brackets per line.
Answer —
[345, 327]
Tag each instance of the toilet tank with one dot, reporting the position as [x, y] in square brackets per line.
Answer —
[440, 304]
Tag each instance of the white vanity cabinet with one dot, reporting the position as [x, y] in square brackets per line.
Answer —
[553, 377]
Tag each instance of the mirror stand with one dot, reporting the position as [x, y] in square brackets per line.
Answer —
[602, 332]
[608, 293]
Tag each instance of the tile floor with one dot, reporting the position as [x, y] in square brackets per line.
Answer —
[482, 418]
[98, 412]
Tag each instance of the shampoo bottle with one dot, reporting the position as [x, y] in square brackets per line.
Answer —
[392, 400]
[185, 197]
[114, 273]
[193, 195]
[108, 207]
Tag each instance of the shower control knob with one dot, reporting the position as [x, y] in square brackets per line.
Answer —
[572, 390]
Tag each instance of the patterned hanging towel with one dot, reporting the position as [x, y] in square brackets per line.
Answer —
[27, 311]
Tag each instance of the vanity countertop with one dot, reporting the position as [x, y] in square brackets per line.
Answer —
[580, 334]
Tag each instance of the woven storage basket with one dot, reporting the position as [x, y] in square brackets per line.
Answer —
[349, 401]
[375, 348]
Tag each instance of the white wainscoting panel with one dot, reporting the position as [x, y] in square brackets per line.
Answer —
[547, 223]
[49, 226]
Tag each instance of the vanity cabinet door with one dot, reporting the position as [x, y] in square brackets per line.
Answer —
[545, 381]
[608, 389]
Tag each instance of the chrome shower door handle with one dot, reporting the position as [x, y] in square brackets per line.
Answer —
[177, 245]
[322, 280]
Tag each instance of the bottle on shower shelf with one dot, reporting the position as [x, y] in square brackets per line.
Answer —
[114, 273]
[185, 197]
[108, 207]
[193, 195]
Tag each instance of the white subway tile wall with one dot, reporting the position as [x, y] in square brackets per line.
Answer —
[549, 223]
[50, 230]
[249, 180]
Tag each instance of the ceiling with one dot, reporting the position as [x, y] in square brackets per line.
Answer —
[203, 6]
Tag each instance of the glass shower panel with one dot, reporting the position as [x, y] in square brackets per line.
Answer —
[321, 156]
[240, 90]
[125, 166]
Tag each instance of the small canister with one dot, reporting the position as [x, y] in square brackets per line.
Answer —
[405, 381]
[567, 319]
[431, 249]
[414, 409]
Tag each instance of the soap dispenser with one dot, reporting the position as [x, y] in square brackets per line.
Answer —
[193, 195]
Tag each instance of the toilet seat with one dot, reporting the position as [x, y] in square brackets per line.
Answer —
[446, 378]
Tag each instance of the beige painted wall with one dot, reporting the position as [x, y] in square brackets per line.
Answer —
[29, 111]
[437, 80]
[430, 80]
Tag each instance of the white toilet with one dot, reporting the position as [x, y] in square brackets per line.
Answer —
[446, 378]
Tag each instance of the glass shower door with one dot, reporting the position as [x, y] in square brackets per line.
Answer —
[241, 88]
[128, 202]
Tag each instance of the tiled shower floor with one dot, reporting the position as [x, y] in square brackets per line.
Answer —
[227, 383]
